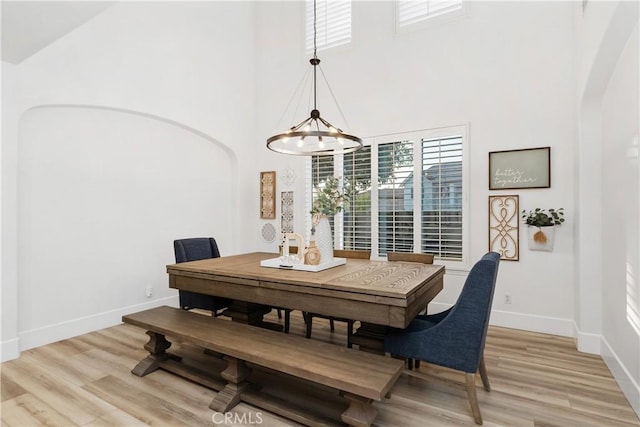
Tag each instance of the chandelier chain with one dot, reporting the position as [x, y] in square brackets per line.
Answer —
[314, 135]
[315, 61]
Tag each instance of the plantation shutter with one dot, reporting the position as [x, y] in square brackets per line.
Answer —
[321, 169]
[407, 194]
[442, 197]
[357, 212]
[333, 23]
[395, 197]
[412, 11]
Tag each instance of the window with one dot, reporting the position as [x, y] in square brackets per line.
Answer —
[408, 194]
[413, 11]
[333, 23]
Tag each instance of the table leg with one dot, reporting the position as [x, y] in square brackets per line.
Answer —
[370, 337]
[251, 313]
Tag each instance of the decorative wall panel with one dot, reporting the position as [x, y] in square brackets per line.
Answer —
[268, 195]
[504, 228]
[286, 212]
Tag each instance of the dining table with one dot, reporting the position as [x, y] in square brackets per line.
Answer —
[379, 294]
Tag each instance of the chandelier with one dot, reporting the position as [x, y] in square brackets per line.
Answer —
[314, 135]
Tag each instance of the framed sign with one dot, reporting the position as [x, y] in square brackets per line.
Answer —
[526, 168]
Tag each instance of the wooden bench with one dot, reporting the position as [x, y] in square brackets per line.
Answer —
[360, 377]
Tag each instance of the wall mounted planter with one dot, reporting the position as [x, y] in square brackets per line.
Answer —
[541, 238]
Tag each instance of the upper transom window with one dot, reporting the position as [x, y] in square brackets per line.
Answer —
[409, 12]
[333, 24]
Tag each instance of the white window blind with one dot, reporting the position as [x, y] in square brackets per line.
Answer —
[395, 197]
[357, 212]
[412, 11]
[333, 23]
[321, 169]
[442, 187]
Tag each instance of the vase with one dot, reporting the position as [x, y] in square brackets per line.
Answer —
[541, 238]
[324, 239]
[312, 256]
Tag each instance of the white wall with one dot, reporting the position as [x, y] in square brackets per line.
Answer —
[621, 228]
[513, 91]
[179, 73]
[9, 343]
[607, 235]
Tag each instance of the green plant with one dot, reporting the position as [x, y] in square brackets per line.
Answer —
[329, 197]
[543, 217]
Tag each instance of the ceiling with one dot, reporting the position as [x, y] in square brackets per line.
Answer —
[29, 26]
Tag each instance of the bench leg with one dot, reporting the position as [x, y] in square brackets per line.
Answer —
[156, 346]
[360, 413]
[236, 373]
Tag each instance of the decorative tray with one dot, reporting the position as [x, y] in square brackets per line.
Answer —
[277, 263]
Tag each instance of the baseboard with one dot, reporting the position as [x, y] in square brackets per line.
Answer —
[625, 380]
[71, 328]
[526, 322]
[587, 343]
[9, 349]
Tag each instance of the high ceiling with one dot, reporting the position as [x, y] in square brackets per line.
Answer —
[29, 26]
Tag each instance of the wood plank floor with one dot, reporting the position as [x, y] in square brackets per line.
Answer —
[536, 379]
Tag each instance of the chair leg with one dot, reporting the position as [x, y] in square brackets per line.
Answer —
[333, 326]
[473, 398]
[279, 313]
[410, 364]
[417, 363]
[483, 374]
[349, 333]
[309, 324]
[287, 320]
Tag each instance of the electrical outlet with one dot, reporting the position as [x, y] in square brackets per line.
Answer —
[507, 298]
[149, 291]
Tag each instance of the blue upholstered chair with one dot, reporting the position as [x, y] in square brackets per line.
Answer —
[455, 338]
[193, 250]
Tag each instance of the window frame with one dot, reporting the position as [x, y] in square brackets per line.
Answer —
[462, 265]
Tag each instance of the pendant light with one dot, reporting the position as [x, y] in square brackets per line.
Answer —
[314, 135]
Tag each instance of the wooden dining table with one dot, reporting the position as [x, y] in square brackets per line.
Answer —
[379, 294]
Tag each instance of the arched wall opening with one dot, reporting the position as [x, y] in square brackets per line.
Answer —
[102, 194]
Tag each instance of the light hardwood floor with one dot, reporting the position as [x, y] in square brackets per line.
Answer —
[536, 379]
